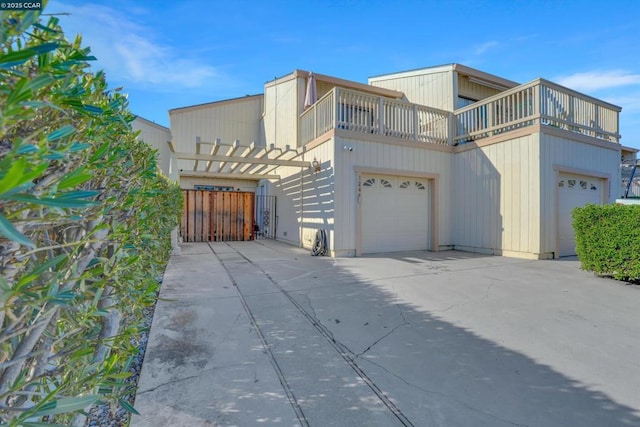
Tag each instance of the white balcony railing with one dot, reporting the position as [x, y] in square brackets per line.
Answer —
[365, 113]
[539, 102]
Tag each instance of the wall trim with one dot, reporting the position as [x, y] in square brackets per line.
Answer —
[385, 139]
[537, 128]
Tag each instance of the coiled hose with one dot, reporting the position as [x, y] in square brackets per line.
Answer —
[320, 243]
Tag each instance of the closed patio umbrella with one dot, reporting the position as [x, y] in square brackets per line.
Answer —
[312, 94]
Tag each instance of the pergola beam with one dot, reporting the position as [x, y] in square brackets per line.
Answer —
[246, 160]
[251, 177]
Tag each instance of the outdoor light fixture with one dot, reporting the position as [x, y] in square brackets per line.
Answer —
[316, 165]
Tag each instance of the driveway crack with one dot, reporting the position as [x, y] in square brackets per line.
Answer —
[177, 380]
[439, 393]
[380, 339]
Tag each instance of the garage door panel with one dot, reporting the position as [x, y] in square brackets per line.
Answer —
[394, 214]
[574, 191]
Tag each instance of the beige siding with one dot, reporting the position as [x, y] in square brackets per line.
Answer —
[323, 88]
[392, 157]
[558, 153]
[157, 137]
[237, 119]
[307, 196]
[281, 109]
[497, 198]
[474, 91]
[433, 89]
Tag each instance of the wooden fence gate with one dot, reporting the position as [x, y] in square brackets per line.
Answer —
[217, 216]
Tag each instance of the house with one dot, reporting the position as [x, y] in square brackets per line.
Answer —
[445, 157]
[157, 137]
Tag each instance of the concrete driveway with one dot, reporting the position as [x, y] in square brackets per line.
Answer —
[261, 333]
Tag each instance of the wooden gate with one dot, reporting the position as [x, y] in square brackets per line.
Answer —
[217, 216]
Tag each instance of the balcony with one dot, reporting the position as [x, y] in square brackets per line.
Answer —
[539, 102]
[364, 113]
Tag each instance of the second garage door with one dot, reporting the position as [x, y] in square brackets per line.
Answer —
[574, 191]
[395, 214]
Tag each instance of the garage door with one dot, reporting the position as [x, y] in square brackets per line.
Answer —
[395, 214]
[574, 191]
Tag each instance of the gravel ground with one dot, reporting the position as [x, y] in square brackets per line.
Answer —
[116, 416]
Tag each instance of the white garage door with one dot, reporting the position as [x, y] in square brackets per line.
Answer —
[395, 214]
[574, 191]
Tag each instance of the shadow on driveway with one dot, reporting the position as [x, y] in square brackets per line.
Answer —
[425, 339]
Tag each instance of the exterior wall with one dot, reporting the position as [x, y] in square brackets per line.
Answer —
[235, 119]
[156, 136]
[281, 110]
[300, 217]
[558, 154]
[433, 89]
[322, 88]
[473, 90]
[401, 157]
[496, 192]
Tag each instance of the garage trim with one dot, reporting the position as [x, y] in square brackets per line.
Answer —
[433, 179]
[560, 169]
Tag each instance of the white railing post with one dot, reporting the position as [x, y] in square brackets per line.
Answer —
[380, 116]
[315, 120]
[537, 102]
[451, 128]
[336, 107]
[416, 124]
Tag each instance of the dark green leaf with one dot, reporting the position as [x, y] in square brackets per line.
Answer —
[100, 151]
[93, 109]
[53, 202]
[79, 147]
[12, 59]
[126, 405]
[28, 149]
[54, 155]
[61, 132]
[40, 82]
[43, 28]
[79, 194]
[69, 404]
[9, 231]
[74, 178]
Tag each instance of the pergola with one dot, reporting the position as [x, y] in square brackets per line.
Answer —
[235, 161]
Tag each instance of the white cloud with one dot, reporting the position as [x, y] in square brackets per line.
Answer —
[479, 50]
[595, 80]
[130, 52]
[630, 103]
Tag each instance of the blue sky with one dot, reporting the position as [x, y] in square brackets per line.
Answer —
[180, 53]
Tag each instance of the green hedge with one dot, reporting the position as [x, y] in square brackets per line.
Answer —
[608, 240]
[85, 222]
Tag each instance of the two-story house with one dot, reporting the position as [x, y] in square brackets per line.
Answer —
[429, 159]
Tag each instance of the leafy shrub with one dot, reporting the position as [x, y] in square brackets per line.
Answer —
[608, 240]
[85, 222]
